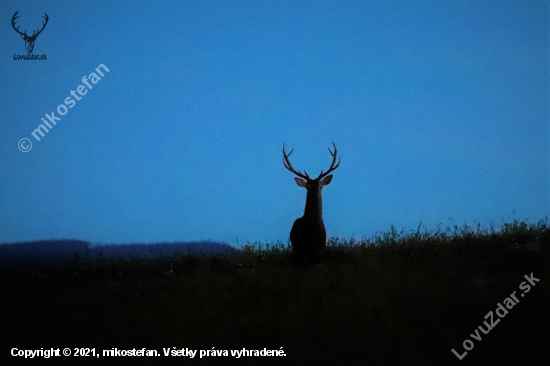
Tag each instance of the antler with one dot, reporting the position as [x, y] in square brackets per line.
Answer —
[34, 35]
[43, 26]
[13, 24]
[287, 164]
[332, 166]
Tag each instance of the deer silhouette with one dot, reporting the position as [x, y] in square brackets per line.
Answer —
[308, 235]
[29, 40]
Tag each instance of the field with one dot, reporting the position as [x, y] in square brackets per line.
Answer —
[396, 299]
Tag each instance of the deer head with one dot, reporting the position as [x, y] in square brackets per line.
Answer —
[304, 180]
[29, 40]
[308, 235]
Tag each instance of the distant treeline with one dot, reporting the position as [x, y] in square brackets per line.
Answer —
[62, 250]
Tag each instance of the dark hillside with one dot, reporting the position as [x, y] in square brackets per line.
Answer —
[392, 300]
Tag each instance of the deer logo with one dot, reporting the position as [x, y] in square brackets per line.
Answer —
[29, 40]
[308, 235]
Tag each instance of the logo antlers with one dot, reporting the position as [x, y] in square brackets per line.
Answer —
[29, 40]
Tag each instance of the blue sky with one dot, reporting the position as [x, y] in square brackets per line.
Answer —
[438, 109]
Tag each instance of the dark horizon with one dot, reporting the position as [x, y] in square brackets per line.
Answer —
[53, 251]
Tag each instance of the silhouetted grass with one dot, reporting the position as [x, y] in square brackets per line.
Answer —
[394, 299]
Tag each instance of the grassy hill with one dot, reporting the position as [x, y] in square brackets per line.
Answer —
[394, 299]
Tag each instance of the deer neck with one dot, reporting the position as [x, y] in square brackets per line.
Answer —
[314, 205]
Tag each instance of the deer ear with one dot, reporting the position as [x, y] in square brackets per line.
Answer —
[23, 36]
[326, 180]
[301, 182]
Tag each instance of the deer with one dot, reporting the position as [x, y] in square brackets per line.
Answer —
[29, 40]
[308, 235]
